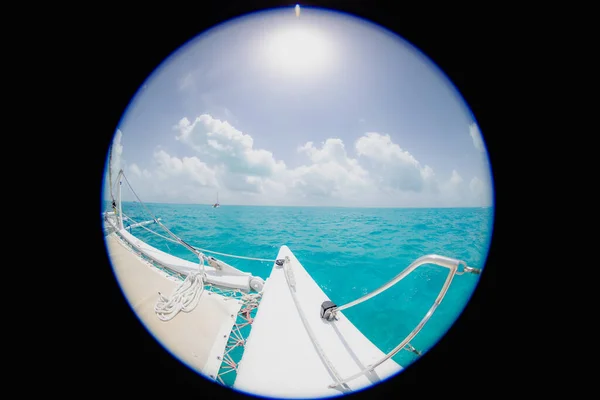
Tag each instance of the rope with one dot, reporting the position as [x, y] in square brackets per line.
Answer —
[234, 256]
[200, 249]
[179, 240]
[185, 297]
[291, 282]
[236, 337]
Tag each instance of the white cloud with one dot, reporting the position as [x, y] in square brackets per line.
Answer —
[115, 165]
[397, 168]
[331, 173]
[170, 178]
[186, 82]
[476, 137]
[227, 161]
[457, 193]
[117, 151]
[455, 179]
[188, 168]
[480, 191]
[227, 146]
[453, 190]
[137, 171]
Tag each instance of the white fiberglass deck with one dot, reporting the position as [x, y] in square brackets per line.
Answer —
[281, 360]
[197, 338]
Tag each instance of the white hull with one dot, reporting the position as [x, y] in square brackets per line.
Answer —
[280, 359]
[291, 351]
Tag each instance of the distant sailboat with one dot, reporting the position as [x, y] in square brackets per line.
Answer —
[216, 205]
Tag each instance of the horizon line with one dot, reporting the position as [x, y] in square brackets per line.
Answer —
[298, 206]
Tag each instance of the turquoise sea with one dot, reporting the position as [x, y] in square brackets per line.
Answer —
[349, 252]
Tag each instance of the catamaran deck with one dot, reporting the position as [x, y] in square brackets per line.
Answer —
[282, 360]
[290, 352]
[198, 337]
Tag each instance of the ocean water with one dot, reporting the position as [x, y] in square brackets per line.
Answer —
[349, 252]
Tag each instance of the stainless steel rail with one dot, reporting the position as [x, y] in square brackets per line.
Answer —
[450, 263]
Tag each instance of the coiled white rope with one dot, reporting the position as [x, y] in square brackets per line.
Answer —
[185, 297]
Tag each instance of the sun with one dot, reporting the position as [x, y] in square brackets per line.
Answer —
[298, 50]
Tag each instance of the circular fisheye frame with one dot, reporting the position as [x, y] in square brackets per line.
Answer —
[298, 203]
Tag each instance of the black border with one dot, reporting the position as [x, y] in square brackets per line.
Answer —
[113, 50]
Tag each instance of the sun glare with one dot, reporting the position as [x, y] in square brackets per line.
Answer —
[298, 50]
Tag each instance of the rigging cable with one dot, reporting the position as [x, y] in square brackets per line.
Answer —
[201, 249]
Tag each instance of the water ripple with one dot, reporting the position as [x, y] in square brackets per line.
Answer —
[349, 252]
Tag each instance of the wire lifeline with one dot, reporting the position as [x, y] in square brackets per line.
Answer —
[201, 249]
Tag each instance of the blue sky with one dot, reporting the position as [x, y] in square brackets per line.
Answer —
[321, 109]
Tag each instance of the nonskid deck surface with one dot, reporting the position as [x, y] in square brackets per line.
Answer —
[281, 360]
[197, 337]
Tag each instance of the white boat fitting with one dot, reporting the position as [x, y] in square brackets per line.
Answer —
[299, 345]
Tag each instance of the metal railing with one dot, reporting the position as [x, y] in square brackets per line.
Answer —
[450, 263]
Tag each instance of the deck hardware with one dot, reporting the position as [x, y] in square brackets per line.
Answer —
[326, 310]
